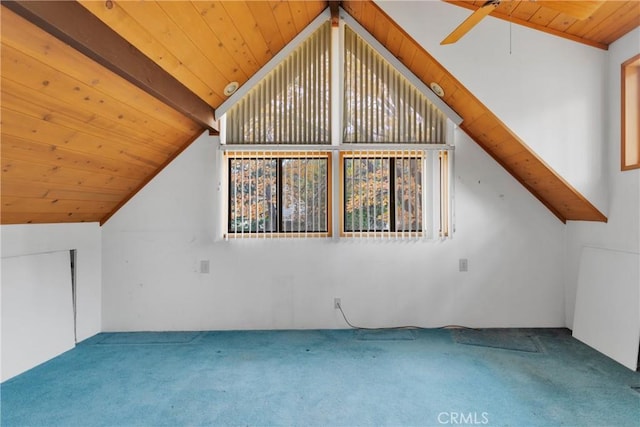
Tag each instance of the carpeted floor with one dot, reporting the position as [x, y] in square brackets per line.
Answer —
[326, 378]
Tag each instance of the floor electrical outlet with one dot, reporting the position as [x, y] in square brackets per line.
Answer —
[336, 303]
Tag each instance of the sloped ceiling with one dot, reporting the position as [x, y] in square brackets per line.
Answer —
[609, 21]
[479, 122]
[76, 138]
[83, 132]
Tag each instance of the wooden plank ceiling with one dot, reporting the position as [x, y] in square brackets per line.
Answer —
[207, 45]
[76, 138]
[478, 121]
[79, 140]
[81, 133]
[609, 21]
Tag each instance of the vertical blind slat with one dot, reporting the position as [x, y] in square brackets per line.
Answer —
[383, 194]
[380, 104]
[263, 203]
[291, 104]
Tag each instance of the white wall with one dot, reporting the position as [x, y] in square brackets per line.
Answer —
[37, 310]
[552, 92]
[622, 231]
[549, 91]
[140, 271]
[563, 99]
[29, 239]
[607, 303]
[153, 245]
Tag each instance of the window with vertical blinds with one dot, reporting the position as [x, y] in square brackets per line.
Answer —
[383, 193]
[397, 191]
[279, 194]
[445, 201]
[291, 104]
[380, 104]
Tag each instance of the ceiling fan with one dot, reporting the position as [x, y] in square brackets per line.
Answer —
[577, 9]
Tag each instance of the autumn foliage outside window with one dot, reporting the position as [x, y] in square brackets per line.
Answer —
[279, 171]
[279, 193]
[382, 193]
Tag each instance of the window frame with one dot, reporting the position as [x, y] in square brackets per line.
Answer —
[392, 156]
[436, 194]
[279, 156]
[630, 100]
[437, 190]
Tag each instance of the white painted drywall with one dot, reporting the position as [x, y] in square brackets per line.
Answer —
[37, 310]
[607, 314]
[549, 91]
[562, 99]
[153, 246]
[622, 231]
[18, 240]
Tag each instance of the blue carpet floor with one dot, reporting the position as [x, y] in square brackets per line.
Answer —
[325, 378]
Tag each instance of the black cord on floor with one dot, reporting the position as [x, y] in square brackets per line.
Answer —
[391, 328]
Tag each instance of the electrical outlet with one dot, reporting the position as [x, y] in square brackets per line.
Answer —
[204, 266]
[336, 303]
[463, 264]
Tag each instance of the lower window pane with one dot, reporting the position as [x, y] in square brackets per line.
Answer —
[278, 195]
[367, 194]
[408, 192]
[382, 194]
[253, 203]
[304, 195]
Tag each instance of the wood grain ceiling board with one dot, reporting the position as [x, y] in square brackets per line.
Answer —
[478, 121]
[77, 140]
[207, 44]
[71, 23]
[72, 131]
[610, 20]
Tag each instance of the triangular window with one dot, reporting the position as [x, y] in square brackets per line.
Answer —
[380, 104]
[381, 130]
[291, 104]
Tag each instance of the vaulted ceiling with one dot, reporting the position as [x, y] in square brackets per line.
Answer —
[606, 22]
[97, 97]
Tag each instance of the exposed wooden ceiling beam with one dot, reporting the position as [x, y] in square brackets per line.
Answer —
[76, 26]
[479, 122]
[334, 7]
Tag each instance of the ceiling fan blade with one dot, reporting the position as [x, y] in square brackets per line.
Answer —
[470, 22]
[576, 9]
